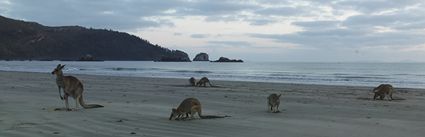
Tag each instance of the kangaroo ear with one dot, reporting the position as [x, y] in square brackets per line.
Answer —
[59, 65]
[279, 95]
[62, 66]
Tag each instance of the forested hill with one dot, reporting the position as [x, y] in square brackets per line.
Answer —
[20, 40]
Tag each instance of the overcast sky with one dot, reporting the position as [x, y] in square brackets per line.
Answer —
[253, 30]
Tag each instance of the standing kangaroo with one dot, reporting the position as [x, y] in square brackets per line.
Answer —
[71, 86]
[382, 91]
[190, 106]
[203, 82]
[273, 102]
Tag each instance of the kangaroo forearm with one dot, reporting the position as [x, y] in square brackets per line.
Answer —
[60, 94]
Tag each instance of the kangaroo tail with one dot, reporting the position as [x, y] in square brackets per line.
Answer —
[213, 116]
[87, 106]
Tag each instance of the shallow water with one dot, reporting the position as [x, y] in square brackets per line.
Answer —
[408, 75]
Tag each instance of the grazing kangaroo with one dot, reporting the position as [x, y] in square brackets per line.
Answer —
[273, 102]
[382, 91]
[71, 86]
[192, 81]
[190, 106]
[203, 82]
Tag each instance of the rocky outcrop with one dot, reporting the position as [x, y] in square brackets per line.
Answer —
[177, 56]
[201, 57]
[224, 59]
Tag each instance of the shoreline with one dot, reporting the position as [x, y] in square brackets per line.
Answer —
[248, 81]
[142, 106]
[399, 75]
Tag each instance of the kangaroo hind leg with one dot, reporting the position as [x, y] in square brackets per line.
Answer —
[66, 102]
[389, 97]
[277, 108]
[77, 100]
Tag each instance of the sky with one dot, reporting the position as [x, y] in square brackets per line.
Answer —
[252, 30]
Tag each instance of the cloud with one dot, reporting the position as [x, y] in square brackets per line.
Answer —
[94, 13]
[132, 14]
[404, 27]
[260, 22]
[214, 8]
[398, 20]
[122, 14]
[343, 38]
[374, 6]
[4, 6]
[229, 43]
[314, 24]
[199, 36]
[178, 34]
[280, 11]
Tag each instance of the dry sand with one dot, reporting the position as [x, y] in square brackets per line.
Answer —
[141, 107]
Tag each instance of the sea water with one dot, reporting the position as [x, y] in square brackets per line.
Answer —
[407, 75]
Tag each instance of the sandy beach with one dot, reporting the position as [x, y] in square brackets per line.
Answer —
[137, 106]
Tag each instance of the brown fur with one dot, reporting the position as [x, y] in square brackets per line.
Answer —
[203, 82]
[71, 86]
[192, 81]
[273, 102]
[187, 106]
[384, 90]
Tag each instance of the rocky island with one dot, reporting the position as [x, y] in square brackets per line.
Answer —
[201, 57]
[224, 59]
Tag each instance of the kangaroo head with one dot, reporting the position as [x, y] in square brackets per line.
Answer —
[376, 89]
[173, 113]
[192, 80]
[58, 69]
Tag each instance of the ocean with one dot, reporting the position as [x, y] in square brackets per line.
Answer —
[406, 75]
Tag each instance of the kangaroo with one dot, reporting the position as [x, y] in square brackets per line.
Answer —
[190, 106]
[192, 81]
[382, 91]
[273, 102]
[203, 82]
[71, 86]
